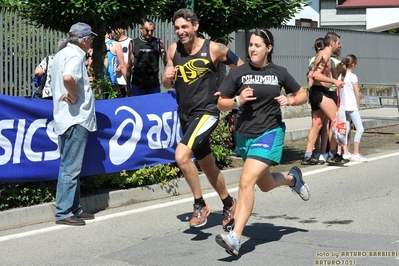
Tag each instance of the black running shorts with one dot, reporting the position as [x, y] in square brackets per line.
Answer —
[196, 134]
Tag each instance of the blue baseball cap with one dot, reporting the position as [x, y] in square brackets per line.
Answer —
[81, 30]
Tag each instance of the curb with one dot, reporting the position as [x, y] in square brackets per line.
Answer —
[45, 212]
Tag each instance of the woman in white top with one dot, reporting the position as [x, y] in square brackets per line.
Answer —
[350, 99]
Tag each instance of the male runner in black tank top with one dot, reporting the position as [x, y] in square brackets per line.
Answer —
[192, 69]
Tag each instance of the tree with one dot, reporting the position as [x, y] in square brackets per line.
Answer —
[219, 18]
[61, 14]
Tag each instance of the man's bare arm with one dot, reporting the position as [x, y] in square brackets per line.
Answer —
[318, 72]
[220, 52]
[170, 71]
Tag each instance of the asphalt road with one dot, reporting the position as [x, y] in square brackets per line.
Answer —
[352, 215]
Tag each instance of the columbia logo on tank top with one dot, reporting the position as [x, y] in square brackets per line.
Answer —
[260, 79]
[193, 70]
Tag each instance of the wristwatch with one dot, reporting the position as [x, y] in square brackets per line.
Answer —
[236, 102]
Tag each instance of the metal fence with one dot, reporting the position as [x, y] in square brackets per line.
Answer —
[23, 46]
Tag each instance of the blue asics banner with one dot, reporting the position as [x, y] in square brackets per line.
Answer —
[132, 133]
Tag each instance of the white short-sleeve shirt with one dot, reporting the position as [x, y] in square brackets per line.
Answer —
[71, 61]
[347, 93]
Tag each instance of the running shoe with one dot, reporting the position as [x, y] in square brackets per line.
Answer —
[229, 242]
[310, 161]
[200, 215]
[337, 159]
[322, 160]
[229, 214]
[347, 156]
[358, 158]
[299, 187]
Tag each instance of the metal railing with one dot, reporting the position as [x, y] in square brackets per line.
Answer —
[381, 101]
[23, 46]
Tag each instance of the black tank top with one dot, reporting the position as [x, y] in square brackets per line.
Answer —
[195, 82]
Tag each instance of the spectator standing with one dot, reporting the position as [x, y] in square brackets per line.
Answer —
[147, 50]
[350, 99]
[44, 69]
[127, 49]
[320, 154]
[197, 109]
[115, 62]
[320, 146]
[74, 117]
[89, 62]
[320, 98]
[335, 58]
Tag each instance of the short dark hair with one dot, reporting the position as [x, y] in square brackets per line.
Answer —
[318, 44]
[186, 14]
[147, 20]
[331, 36]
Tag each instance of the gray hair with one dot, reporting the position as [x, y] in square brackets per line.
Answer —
[72, 38]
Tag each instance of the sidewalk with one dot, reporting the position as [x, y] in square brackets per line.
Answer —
[297, 128]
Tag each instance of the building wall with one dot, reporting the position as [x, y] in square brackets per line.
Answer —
[349, 19]
[376, 52]
[381, 19]
[308, 12]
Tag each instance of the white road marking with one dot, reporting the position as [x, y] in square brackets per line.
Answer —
[167, 204]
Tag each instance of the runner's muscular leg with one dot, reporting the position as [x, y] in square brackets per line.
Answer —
[317, 123]
[215, 177]
[330, 109]
[251, 174]
[183, 157]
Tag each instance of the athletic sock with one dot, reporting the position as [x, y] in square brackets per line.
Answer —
[199, 202]
[227, 202]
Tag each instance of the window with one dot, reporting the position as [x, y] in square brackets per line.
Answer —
[305, 22]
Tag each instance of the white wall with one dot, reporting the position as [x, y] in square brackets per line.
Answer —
[381, 19]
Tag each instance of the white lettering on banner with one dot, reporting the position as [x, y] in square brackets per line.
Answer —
[11, 150]
[154, 134]
[52, 155]
[24, 143]
[37, 156]
[176, 133]
[5, 143]
[18, 141]
[118, 154]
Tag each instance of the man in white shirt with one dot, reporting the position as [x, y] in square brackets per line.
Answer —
[74, 117]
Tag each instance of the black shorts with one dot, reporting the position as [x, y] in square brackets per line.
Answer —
[316, 96]
[196, 134]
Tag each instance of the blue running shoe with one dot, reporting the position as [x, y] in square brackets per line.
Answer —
[229, 242]
[299, 187]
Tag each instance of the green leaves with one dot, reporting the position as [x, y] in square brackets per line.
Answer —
[60, 15]
[26, 194]
[221, 143]
[220, 18]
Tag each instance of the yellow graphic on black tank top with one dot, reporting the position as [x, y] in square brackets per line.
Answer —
[193, 70]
